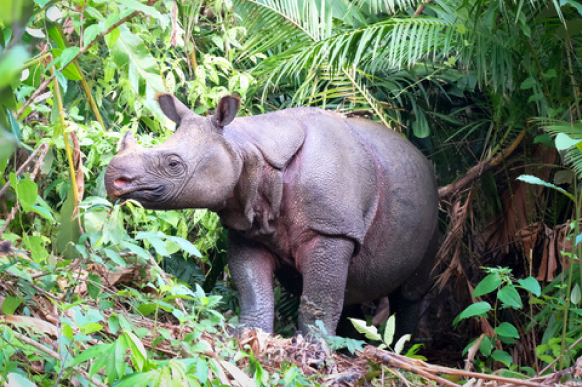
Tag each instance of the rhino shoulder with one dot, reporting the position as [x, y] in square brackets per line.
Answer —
[278, 136]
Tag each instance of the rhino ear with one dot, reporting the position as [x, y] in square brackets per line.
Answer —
[172, 107]
[226, 111]
[128, 142]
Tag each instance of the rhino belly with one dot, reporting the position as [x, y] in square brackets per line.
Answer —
[392, 251]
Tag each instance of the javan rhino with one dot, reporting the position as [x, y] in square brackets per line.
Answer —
[343, 208]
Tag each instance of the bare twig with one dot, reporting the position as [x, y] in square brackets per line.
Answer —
[165, 278]
[39, 162]
[25, 165]
[420, 8]
[55, 355]
[36, 93]
[558, 358]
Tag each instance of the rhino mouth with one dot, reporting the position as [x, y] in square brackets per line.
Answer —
[145, 193]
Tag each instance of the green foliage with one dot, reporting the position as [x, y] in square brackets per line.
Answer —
[387, 338]
[500, 283]
[476, 72]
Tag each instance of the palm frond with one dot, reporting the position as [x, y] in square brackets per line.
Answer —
[385, 6]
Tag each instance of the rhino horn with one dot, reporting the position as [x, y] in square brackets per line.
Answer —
[128, 142]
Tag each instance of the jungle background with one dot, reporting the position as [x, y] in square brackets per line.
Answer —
[100, 293]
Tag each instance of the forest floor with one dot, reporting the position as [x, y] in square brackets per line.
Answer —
[39, 328]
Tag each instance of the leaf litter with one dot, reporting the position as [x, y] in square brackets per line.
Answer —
[40, 329]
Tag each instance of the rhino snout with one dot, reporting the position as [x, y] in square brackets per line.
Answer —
[117, 183]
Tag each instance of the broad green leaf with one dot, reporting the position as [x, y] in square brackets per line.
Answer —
[68, 331]
[68, 55]
[43, 212]
[10, 304]
[94, 221]
[531, 284]
[16, 379]
[576, 295]
[91, 33]
[476, 309]
[91, 328]
[159, 246]
[399, 346]
[140, 379]
[68, 232]
[56, 36]
[488, 284]
[130, 54]
[147, 308]
[420, 127]
[94, 13]
[536, 180]
[11, 63]
[528, 83]
[98, 364]
[502, 357]
[113, 324]
[116, 365]
[137, 250]
[574, 3]
[186, 245]
[565, 142]
[113, 230]
[94, 351]
[139, 352]
[36, 246]
[485, 346]
[389, 330]
[138, 6]
[27, 191]
[94, 285]
[509, 296]
[371, 332]
[115, 257]
[507, 330]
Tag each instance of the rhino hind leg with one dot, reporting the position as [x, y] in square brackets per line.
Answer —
[406, 300]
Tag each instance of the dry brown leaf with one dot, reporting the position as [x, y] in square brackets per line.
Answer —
[38, 325]
[77, 162]
[543, 268]
[382, 312]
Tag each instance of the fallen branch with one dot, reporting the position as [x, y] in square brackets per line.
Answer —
[478, 170]
[429, 371]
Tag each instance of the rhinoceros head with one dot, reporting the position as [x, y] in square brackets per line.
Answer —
[196, 167]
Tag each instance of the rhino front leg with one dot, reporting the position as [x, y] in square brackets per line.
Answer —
[252, 267]
[323, 263]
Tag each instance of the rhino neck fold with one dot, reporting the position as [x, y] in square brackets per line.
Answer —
[256, 199]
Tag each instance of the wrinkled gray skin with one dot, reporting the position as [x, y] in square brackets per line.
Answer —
[342, 208]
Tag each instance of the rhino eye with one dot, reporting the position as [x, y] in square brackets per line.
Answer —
[174, 165]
